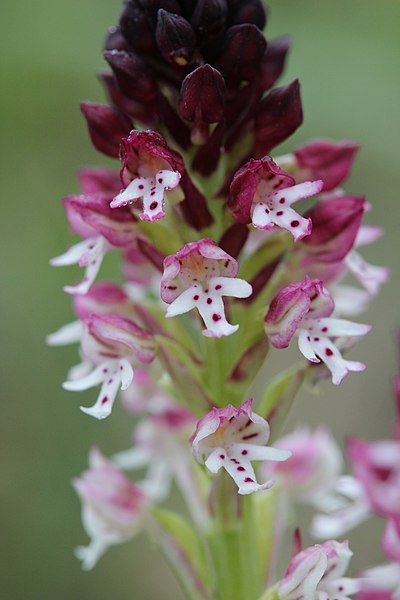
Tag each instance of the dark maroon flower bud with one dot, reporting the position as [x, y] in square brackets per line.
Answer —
[135, 27]
[194, 207]
[250, 11]
[209, 17]
[208, 155]
[175, 38]
[152, 253]
[188, 7]
[242, 52]
[107, 126]
[145, 113]
[234, 238]
[278, 116]
[336, 222]
[202, 100]
[273, 62]
[115, 40]
[132, 75]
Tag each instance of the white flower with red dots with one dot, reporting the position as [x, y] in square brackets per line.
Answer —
[303, 309]
[231, 438]
[262, 193]
[198, 276]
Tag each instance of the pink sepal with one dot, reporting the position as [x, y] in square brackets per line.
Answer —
[90, 215]
[325, 159]
[99, 180]
[102, 298]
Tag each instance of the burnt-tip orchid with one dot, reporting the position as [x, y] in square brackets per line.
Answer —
[231, 438]
[198, 276]
[111, 345]
[149, 169]
[303, 309]
[113, 508]
[317, 573]
[261, 193]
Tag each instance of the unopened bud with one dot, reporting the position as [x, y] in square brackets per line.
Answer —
[175, 38]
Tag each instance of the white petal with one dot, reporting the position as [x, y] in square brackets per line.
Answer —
[337, 327]
[126, 373]
[231, 286]
[306, 347]
[73, 255]
[92, 260]
[91, 380]
[68, 334]
[261, 217]
[183, 303]
[254, 452]
[297, 192]
[215, 461]
[105, 400]
[136, 189]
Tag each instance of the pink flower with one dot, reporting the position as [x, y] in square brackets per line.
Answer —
[314, 463]
[377, 466]
[149, 168]
[317, 572]
[198, 276]
[303, 309]
[102, 228]
[113, 509]
[232, 438]
[262, 193]
[112, 345]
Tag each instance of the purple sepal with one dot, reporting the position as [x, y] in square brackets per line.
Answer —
[336, 222]
[273, 62]
[175, 38]
[327, 160]
[102, 298]
[107, 126]
[133, 76]
[291, 304]
[102, 180]
[251, 11]
[241, 54]
[278, 116]
[234, 238]
[208, 155]
[142, 112]
[91, 215]
[209, 18]
[194, 206]
[136, 28]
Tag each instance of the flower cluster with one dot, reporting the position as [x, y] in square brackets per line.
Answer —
[207, 219]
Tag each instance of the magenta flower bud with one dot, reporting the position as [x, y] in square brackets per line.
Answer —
[303, 309]
[113, 509]
[209, 17]
[273, 62]
[262, 193]
[136, 29]
[107, 126]
[149, 169]
[198, 276]
[336, 222]
[103, 180]
[325, 159]
[132, 75]
[377, 466]
[278, 116]
[231, 438]
[201, 100]
[241, 54]
[251, 11]
[175, 38]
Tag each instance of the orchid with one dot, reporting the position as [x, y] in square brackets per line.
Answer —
[198, 209]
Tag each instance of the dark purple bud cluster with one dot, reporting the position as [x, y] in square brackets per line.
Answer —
[201, 71]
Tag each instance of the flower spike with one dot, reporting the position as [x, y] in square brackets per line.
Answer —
[232, 438]
[198, 276]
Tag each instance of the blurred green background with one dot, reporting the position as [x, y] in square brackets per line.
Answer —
[346, 56]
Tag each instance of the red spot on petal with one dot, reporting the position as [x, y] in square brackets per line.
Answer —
[328, 352]
[267, 211]
[282, 201]
[160, 180]
[249, 480]
[152, 193]
[216, 317]
[172, 287]
[209, 300]
[244, 452]
[196, 297]
[240, 469]
[104, 400]
[153, 205]
[222, 456]
[295, 223]
[105, 370]
[226, 263]
[249, 436]
[110, 381]
[324, 329]
[316, 339]
[279, 213]
[141, 187]
[218, 287]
